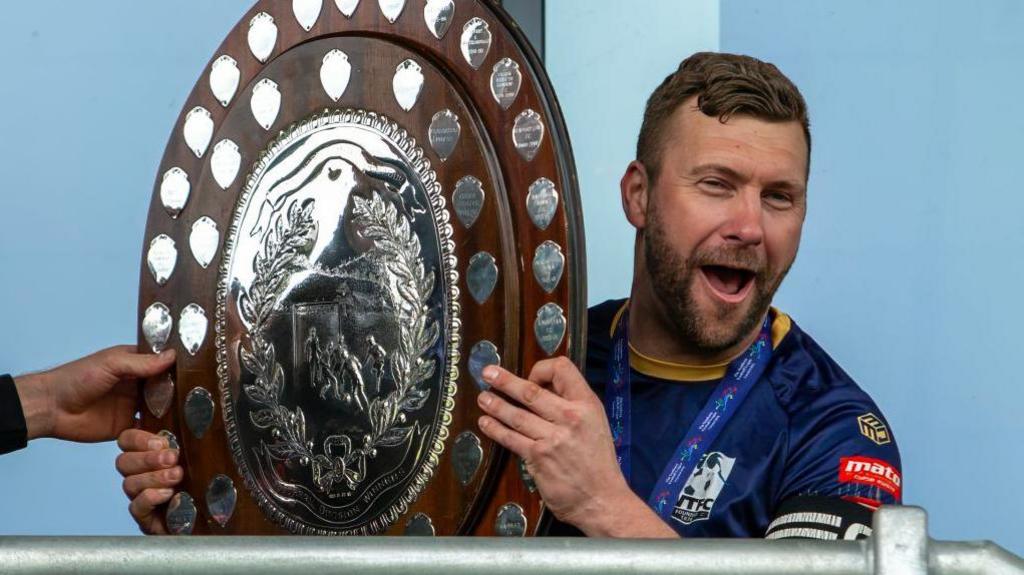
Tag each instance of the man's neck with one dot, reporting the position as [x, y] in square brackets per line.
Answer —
[653, 334]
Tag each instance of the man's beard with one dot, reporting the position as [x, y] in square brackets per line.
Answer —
[672, 279]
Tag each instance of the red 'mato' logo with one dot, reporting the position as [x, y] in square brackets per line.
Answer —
[872, 472]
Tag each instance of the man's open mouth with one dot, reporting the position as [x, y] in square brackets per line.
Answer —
[730, 284]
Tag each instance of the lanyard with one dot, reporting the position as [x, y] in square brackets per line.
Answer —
[740, 377]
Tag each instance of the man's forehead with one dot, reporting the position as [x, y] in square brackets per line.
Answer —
[742, 142]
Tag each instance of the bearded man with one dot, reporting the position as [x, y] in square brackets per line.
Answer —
[703, 411]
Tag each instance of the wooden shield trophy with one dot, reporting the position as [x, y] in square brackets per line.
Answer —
[362, 204]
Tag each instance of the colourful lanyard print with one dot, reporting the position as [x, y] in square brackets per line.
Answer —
[740, 377]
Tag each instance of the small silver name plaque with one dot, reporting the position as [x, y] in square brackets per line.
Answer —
[476, 42]
[262, 36]
[482, 276]
[527, 134]
[549, 327]
[335, 73]
[542, 203]
[198, 130]
[174, 191]
[438, 14]
[221, 497]
[506, 79]
[224, 78]
[407, 84]
[468, 200]
[444, 133]
[307, 12]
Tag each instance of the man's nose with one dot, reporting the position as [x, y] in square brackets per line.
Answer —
[745, 225]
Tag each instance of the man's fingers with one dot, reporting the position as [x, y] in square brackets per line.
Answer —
[532, 396]
[513, 417]
[563, 375]
[144, 509]
[140, 440]
[136, 462]
[515, 442]
[135, 484]
[125, 363]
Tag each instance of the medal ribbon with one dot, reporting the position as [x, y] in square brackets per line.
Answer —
[740, 377]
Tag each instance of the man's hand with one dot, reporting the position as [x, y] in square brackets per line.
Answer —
[563, 436]
[91, 399]
[150, 472]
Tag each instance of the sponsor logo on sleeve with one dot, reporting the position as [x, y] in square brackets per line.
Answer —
[871, 472]
[701, 491]
[872, 427]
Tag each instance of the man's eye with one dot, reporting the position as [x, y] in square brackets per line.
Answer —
[778, 199]
[713, 184]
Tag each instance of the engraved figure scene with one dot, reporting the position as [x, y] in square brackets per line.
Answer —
[341, 353]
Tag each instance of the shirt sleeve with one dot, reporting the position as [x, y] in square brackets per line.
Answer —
[841, 447]
[13, 431]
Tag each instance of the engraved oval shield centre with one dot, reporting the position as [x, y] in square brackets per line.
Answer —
[339, 313]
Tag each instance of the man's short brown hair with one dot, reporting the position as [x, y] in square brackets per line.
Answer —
[725, 85]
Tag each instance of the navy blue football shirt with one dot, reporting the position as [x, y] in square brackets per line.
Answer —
[807, 455]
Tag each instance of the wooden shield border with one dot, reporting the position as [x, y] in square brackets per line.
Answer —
[375, 46]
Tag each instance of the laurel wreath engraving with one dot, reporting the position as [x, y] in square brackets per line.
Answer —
[341, 459]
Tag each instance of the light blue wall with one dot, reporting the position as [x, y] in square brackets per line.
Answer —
[89, 93]
[910, 268]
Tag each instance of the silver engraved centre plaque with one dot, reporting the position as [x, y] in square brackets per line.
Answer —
[338, 325]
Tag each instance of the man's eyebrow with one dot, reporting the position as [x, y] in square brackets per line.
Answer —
[713, 168]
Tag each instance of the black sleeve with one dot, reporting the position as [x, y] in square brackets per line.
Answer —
[13, 432]
[815, 517]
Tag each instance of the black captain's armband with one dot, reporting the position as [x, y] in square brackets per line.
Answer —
[827, 518]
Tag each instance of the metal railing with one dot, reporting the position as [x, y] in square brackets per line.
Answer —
[899, 545]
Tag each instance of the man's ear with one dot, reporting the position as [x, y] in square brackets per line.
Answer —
[635, 190]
